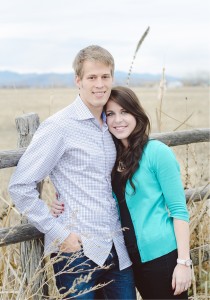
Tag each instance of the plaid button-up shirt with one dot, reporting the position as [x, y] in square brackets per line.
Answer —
[78, 155]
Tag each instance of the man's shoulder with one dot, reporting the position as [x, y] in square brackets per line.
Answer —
[60, 123]
[62, 116]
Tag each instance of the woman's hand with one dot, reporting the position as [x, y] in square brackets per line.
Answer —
[181, 279]
[57, 208]
[73, 242]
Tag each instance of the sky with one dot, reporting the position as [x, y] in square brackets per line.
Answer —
[45, 35]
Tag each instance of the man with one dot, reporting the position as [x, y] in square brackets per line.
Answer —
[75, 148]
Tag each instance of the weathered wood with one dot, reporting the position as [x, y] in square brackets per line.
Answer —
[204, 250]
[198, 193]
[26, 125]
[10, 158]
[177, 138]
[31, 251]
[19, 234]
[28, 232]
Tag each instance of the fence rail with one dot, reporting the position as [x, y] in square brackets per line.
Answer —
[10, 158]
[27, 232]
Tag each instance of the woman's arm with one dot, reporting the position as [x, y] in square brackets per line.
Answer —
[73, 242]
[167, 170]
[181, 279]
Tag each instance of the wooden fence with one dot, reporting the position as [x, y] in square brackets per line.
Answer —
[26, 126]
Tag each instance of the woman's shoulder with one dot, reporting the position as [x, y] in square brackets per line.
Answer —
[157, 153]
[153, 144]
[158, 150]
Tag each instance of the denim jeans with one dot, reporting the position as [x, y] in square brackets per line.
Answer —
[75, 273]
[153, 279]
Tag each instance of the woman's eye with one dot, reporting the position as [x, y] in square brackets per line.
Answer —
[124, 112]
[109, 114]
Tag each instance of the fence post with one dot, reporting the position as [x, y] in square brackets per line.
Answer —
[31, 252]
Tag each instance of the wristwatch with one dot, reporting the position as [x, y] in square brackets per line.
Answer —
[185, 262]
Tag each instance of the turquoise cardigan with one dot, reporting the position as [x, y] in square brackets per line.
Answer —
[159, 198]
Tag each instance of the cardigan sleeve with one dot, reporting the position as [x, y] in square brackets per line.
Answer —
[168, 175]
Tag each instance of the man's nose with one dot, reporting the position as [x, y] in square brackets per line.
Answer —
[99, 82]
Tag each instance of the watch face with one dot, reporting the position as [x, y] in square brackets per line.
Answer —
[188, 263]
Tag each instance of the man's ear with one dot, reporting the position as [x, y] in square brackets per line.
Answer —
[77, 81]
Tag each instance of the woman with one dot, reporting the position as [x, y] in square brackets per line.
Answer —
[147, 185]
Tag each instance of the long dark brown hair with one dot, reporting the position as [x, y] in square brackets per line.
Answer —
[130, 156]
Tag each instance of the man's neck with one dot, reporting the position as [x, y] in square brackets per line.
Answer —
[95, 111]
[98, 115]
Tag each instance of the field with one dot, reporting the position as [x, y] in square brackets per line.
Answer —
[177, 106]
[45, 102]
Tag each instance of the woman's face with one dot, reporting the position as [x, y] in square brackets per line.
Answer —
[121, 123]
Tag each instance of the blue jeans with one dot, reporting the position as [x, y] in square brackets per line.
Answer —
[76, 272]
[153, 278]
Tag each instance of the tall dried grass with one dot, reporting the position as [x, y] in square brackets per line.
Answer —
[135, 53]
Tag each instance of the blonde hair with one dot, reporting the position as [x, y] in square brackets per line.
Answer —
[92, 53]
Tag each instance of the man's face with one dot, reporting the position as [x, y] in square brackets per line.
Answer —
[95, 84]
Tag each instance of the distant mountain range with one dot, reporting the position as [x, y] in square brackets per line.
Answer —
[44, 80]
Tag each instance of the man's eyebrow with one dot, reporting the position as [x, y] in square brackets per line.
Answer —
[105, 74]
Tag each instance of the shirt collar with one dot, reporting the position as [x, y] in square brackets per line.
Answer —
[83, 112]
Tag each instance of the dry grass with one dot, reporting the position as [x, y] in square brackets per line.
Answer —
[183, 108]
